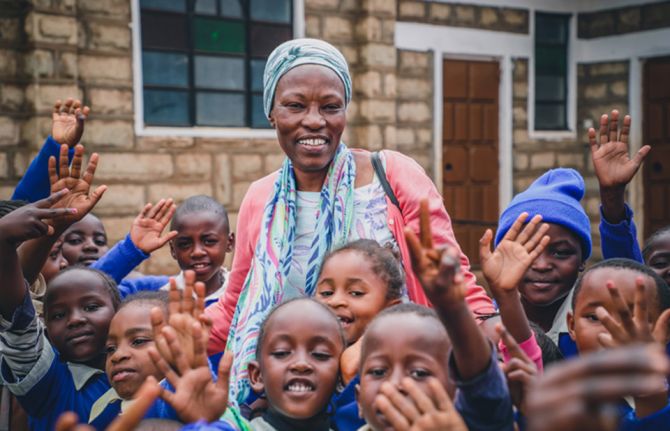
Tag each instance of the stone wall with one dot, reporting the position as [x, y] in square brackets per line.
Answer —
[464, 15]
[623, 20]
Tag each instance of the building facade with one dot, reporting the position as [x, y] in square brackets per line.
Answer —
[484, 94]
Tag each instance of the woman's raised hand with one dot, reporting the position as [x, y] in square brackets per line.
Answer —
[506, 265]
[67, 121]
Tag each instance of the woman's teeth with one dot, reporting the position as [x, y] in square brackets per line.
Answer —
[312, 142]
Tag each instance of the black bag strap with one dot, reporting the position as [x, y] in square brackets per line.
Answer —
[381, 174]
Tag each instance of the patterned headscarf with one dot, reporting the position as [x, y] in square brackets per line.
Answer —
[264, 286]
[298, 52]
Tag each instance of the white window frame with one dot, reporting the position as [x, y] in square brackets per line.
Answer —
[195, 131]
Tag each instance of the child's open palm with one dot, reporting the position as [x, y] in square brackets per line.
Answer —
[148, 226]
[79, 186]
[505, 266]
[438, 270]
[415, 410]
[67, 121]
[197, 396]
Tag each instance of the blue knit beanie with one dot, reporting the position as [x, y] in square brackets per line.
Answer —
[555, 196]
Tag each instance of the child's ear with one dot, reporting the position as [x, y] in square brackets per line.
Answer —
[255, 377]
[231, 242]
[571, 325]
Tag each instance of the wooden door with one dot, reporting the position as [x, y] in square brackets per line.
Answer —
[470, 149]
[656, 129]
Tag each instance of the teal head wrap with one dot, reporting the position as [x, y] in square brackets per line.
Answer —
[298, 52]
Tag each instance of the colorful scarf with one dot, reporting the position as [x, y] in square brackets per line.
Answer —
[264, 286]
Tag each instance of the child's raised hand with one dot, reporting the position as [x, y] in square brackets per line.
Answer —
[624, 328]
[28, 222]
[79, 186]
[583, 393]
[147, 227]
[414, 410]
[613, 166]
[196, 396]
[183, 311]
[130, 418]
[521, 245]
[437, 270]
[520, 370]
[67, 121]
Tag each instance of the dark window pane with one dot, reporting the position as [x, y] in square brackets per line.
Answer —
[205, 7]
[551, 28]
[219, 72]
[258, 118]
[271, 10]
[231, 8]
[550, 88]
[164, 31]
[171, 5]
[170, 69]
[550, 60]
[550, 117]
[218, 35]
[266, 37]
[220, 109]
[166, 108]
[257, 68]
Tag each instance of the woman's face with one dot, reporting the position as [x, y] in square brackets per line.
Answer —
[309, 115]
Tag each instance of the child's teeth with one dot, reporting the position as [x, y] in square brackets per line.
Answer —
[298, 387]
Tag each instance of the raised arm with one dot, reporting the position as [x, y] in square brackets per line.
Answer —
[67, 126]
[35, 253]
[614, 169]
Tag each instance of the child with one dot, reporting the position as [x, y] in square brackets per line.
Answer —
[85, 241]
[130, 335]
[600, 318]
[546, 286]
[201, 242]
[656, 253]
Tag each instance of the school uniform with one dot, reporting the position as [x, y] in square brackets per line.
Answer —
[212, 297]
[45, 385]
[654, 422]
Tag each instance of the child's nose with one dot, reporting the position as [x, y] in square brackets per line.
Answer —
[542, 263]
[89, 245]
[198, 250]
[301, 365]
[119, 355]
[76, 319]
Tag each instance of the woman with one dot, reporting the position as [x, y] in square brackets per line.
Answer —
[324, 196]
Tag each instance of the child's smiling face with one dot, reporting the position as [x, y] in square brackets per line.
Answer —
[298, 364]
[554, 272]
[85, 241]
[398, 346]
[130, 334]
[77, 310]
[201, 245]
[354, 292]
[583, 324]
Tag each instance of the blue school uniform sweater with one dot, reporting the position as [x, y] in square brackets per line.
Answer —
[44, 385]
[620, 240]
[657, 421]
[35, 183]
[483, 401]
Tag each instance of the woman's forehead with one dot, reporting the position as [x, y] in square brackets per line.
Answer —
[311, 75]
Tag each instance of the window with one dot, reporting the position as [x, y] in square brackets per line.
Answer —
[551, 71]
[203, 60]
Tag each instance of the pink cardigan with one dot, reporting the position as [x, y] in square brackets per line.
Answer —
[409, 183]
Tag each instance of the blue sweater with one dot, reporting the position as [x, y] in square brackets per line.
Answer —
[120, 260]
[35, 183]
[43, 383]
[620, 240]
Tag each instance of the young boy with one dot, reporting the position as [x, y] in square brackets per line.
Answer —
[202, 240]
[600, 317]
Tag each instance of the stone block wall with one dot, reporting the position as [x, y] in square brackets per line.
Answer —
[456, 14]
[623, 20]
